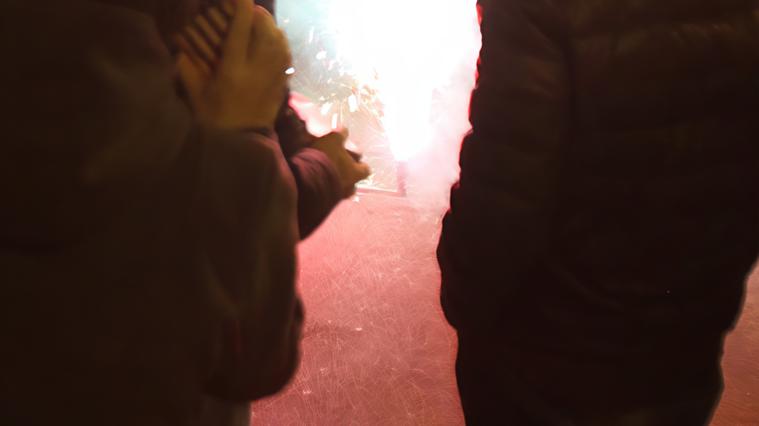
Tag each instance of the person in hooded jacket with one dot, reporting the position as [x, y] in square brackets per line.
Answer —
[147, 241]
[607, 214]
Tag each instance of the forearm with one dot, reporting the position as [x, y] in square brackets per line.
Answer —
[316, 178]
[248, 196]
[318, 188]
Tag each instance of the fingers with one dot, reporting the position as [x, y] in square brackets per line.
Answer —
[201, 45]
[355, 155]
[265, 27]
[334, 140]
[362, 171]
[344, 132]
[339, 136]
[348, 164]
[212, 33]
[191, 56]
[228, 7]
[262, 13]
[218, 20]
[358, 172]
[271, 41]
[192, 76]
[236, 46]
[202, 39]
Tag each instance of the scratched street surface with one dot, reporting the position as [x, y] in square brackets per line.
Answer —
[376, 349]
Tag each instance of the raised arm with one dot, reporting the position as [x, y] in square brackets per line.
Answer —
[246, 214]
[316, 177]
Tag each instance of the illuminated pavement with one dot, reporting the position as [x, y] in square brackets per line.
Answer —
[376, 349]
[740, 403]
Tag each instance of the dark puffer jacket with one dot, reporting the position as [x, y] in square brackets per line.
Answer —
[607, 212]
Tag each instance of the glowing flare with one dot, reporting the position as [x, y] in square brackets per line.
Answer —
[406, 51]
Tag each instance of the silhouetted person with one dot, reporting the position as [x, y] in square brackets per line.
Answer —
[325, 172]
[607, 213]
[147, 252]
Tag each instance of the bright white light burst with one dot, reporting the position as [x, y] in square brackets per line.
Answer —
[407, 50]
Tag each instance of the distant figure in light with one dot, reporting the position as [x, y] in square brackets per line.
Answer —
[607, 212]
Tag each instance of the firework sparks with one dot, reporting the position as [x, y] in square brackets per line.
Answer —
[377, 67]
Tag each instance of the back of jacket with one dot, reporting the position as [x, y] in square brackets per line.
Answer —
[608, 209]
[658, 218]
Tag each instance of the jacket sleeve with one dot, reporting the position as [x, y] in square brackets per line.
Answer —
[247, 208]
[315, 176]
[500, 217]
